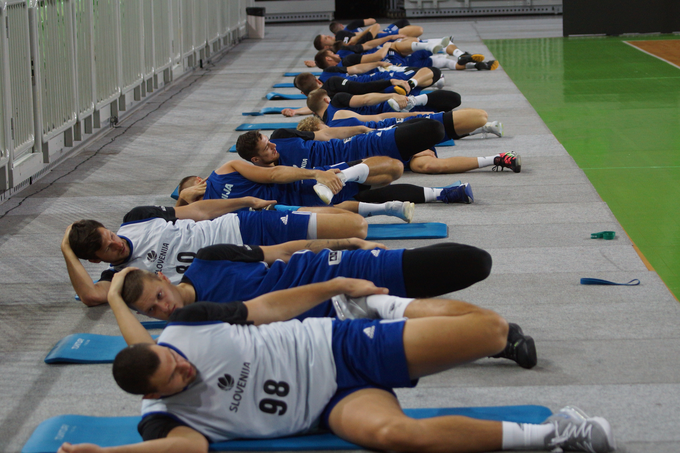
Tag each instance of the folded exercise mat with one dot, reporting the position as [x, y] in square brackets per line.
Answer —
[86, 348]
[284, 85]
[265, 126]
[274, 96]
[431, 230]
[115, 431]
[154, 324]
[293, 74]
[267, 111]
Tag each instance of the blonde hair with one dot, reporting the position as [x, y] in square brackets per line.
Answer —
[310, 124]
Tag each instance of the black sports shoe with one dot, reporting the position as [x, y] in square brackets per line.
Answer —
[470, 58]
[507, 160]
[520, 348]
[490, 65]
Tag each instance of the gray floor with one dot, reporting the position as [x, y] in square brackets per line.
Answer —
[610, 350]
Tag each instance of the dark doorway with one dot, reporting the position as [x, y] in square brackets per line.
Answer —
[354, 9]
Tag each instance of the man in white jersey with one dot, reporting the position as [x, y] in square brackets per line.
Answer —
[166, 239]
[293, 377]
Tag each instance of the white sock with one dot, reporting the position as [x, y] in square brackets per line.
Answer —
[371, 209]
[387, 306]
[470, 65]
[420, 46]
[442, 62]
[357, 173]
[431, 194]
[421, 99]
[521, 436]
[457, 53]
[486, 161]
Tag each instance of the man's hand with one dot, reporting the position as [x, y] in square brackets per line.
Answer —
[116, 287]
[401, 83]
[355, 287]
[368, 245]
[310, 63]
[79, 448]
[401, 100]
[65, 245]
[193, 193]
[258, 203]
[288, 112]
[329, 179]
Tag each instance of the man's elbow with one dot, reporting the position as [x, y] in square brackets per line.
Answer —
[91, 300]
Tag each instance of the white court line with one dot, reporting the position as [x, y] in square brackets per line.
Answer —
[648, 53]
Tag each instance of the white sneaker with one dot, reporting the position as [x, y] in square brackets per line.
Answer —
[574, 430]
[402, 209]
[439, 84]
[493, 127]
[323, 192]
[352, 308]
[446, 40]
[410, 103]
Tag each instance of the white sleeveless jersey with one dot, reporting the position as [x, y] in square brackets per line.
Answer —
[170, 247]
[252, 382]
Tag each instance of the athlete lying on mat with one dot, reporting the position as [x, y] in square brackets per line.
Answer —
[316, 373]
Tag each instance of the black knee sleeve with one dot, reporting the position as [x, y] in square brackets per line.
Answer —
[393, 192]
[449, 126]
[443, 100]
[436, 73]
[401, 23]
[443, 268]
[416, 135]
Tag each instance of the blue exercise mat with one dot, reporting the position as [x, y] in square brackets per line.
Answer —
[86, 348]
[265, 126]
[115, 431]
[274, 96]
[293, 74]
[431, 230]
[447, 143]
[284, 85]
[267, 111]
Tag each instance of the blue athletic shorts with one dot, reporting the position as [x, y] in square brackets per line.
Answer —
[368, 353]
[272, 227]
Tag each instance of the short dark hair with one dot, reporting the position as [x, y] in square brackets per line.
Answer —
[315, 99]
[320, 58]
[335, 26]
[85, 240]
[305, 82]
[133, 368]
[184, 182]
[133, 285]
[317, 42]
[246, 144]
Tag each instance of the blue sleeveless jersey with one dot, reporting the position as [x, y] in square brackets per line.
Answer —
[298, 193]
[297, 152]
[229, 281]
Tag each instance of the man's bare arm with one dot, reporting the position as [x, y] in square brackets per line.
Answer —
[362, 68]
[285, 251]
[282, 174]
[181, 439]
[289, 303]
[339, 132]
[373, 30]
[295, 112]
[377, 56]
[210, 209]
[90, 293]
[130, 327]
[362, 100]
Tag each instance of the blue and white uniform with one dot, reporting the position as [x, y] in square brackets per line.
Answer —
[226, 273]
[298, 193]
[388, 122]
[274, 380]
[299, 149]
[160, 242]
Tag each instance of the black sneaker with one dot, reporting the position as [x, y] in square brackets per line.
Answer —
[520, 348]
[470, 58]
[507, 160]
[490, 65]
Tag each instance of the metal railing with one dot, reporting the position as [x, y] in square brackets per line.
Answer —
[66, 66]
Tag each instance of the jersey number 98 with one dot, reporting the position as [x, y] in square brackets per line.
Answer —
[272, 406]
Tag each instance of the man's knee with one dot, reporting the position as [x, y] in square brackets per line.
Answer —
[357, 226]
[395, 169]
[427, 165]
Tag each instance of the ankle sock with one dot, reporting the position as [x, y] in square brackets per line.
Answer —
[388, 307]
[522, 436]
[486, 161]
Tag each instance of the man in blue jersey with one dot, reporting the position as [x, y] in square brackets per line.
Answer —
[294, 377]
[167, 239]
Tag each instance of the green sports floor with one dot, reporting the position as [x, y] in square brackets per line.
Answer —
[616, 110]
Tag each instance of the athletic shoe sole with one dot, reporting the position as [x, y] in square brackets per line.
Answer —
[324, 193]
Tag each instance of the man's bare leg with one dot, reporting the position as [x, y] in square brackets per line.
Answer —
[333, 226]
[411, 30]
[430, 165]
[373, 418]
